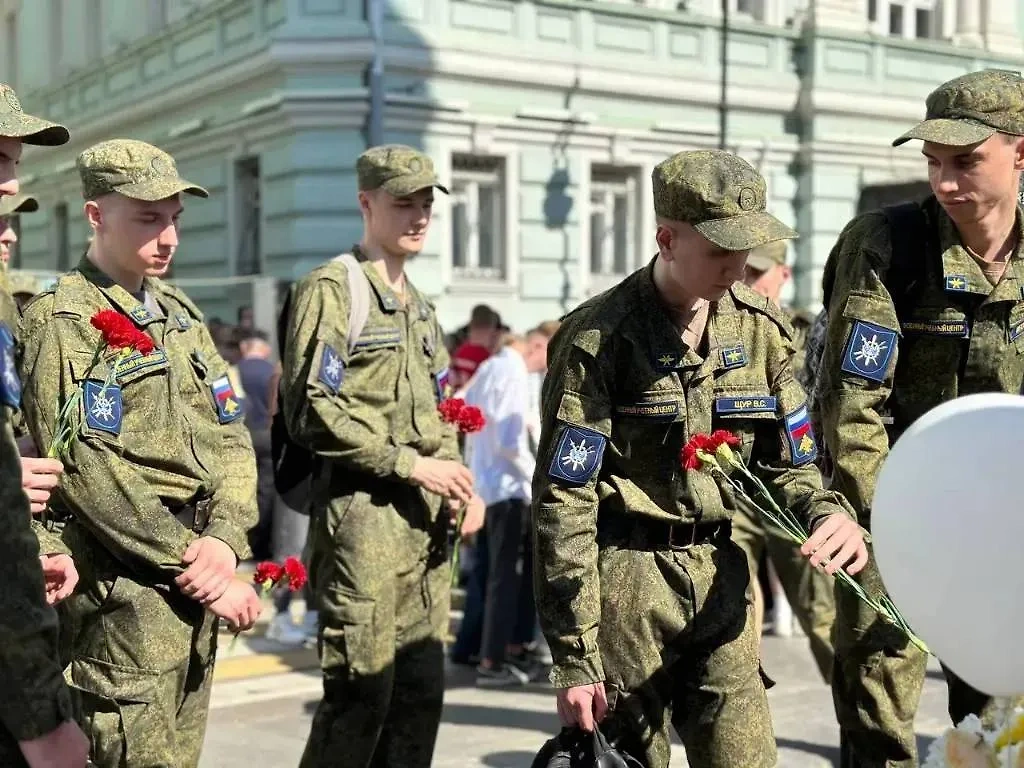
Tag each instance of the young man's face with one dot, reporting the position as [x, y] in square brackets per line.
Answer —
[8, 237]
[768, 283]
[398, 224]
[139, 236]
[698, 267]
[10, 156]
[970, 181]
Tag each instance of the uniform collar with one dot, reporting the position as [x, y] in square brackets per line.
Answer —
[117, 295]
[961, 273]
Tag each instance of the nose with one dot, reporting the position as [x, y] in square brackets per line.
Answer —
[736, 265]
[169, 236]
[945, 179]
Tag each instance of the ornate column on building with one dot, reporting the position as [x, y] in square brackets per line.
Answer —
[1001, 28]
[968, 22]
[839, 14]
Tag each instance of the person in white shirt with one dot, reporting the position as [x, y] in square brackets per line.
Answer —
[501, 460]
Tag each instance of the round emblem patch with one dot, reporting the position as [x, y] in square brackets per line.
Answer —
[415, 165]
[12, 100]
[162, 166]
[748, 199]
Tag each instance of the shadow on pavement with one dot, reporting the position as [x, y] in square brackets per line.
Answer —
[831, 754]
[517, 759]
[501, 717]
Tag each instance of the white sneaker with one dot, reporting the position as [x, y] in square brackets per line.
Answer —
[783, 616]
[283, 631]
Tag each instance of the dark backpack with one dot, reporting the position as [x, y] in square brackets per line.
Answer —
[294, 465]
[573, 748]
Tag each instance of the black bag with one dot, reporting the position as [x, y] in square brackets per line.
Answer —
[575, 748]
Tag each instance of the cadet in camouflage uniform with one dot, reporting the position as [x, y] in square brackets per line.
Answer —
[160, 483]
[36, 715]
[642, 595]
[378, 533]
[808, 590]
[955, 326]
[10, 207]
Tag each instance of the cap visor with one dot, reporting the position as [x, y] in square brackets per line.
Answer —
[18, 204]
[760, 263]
[742, 233]
[955, 133]
[33, 130]
[160, 189]
[403, 187]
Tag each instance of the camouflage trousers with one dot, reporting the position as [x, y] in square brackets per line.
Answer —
[808, 590]
[141, 665]
[379, 570]
[877, 682]
[677, 644]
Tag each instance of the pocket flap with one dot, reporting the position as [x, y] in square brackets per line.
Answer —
[82, 368]
[581, 411]
[114, 681]
[864, 306]
[351, 608]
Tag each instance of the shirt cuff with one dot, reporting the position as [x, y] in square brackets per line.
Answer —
[404, 462]
[231, 535]
[583, 670]
[49, 705]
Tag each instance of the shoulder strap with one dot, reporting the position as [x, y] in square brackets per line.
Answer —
[359, 298]
[910, 241]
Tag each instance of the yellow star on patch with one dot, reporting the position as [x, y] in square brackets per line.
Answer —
[733, 355]
[666, 359]
[806, 445]
[230, 406]
[956, 283]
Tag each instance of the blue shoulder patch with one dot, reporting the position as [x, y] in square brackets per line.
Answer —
[869, 350]
[103, 407]
[578, 456]
[443, 383]
[229, 405]
[802, 445]
[332, 369]
[10, 384]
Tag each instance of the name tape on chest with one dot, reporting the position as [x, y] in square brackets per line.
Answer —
[656, 411]
[577, 457]
[800, 434]
[746, 404]
[104, 409]
[136, 364]
[378, 337]
[332, 369]
[954, 328]
[229, 406]
[10, 384]
[869, 350]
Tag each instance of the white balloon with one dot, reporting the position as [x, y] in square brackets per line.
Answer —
[948, 527]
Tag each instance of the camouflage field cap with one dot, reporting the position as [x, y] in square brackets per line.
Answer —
[720, 195]
[11, 204]
[15, 124]
[764, 257]
[971, 108]
[134, 169]
[397, 169]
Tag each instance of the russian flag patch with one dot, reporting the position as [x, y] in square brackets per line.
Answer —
[802, 445]
[229, 407]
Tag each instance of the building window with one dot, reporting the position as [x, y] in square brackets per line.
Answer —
[478, 217]
[11, 48]
[908, 19]
[613, 221]
[56, 55]
[60, 237]
[248, 259]
[94, 30]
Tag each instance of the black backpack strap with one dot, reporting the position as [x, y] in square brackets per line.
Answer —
[911, 242]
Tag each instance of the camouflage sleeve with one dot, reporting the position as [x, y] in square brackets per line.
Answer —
[35, 699]
[233, 509]
[50, 542]
[99, 485]
[318, 402]
[439, 364]
[857, 367]
[784, 456]
[576, 425]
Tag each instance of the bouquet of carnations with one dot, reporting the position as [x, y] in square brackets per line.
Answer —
[972, 745]
[467, 419]
[713, 453]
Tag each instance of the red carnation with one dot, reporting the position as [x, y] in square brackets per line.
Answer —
[268, 572]
[295, 571]
[471, 419]
[724, 437]
[701, 442]
[450, 409]
[119, 332]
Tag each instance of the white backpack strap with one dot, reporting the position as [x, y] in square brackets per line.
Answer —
[359, 298]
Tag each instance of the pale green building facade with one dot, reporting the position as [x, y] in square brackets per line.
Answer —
[545, 116]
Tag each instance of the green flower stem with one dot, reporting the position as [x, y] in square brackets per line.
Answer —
[460, 516]
[787, 522]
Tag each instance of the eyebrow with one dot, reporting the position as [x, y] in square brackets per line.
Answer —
[972, 153]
